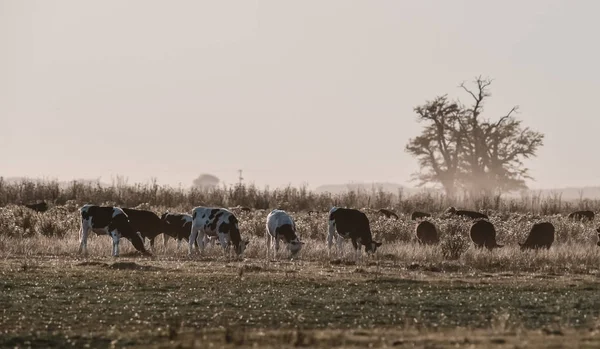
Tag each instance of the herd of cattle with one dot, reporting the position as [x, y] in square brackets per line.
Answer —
[207, 224]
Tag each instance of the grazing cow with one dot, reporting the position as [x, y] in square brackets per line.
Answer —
[427, 233]
[388, 213]
[280, 226]
[483, 234]
[347, 223]
[207, 222]
[418, 214]
[108, 220]
[178, 226]
[465, 213]
[540, 236]
[146, 223]
[38, 207]
[582, 215]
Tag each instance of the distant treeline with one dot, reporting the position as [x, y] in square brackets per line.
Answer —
[289, 198]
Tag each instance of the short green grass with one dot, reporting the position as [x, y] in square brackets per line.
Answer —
[64, 301]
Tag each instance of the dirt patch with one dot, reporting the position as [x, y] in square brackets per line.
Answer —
[91, 264]
[132, 266]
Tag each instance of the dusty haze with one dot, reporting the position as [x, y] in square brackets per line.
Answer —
[291, 92]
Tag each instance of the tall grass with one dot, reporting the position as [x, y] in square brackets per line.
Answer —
[292, 199]
[24, 232]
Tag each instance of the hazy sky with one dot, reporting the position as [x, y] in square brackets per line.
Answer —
[293, 92]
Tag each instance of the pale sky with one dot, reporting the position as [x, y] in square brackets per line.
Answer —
[316, 92]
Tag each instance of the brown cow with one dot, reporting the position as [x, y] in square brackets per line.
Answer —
[38, 207]
[418, 214]
[466, 213]
[427, 233]
[540, 236]
[483, 234]
[388, 213]
[582, 215]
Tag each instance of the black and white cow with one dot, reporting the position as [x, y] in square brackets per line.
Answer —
[146, 223]
[281, 226]
[108, 220]
[222, 223]
[347, 223]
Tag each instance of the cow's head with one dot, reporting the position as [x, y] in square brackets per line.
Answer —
[295, 246]
[372, 246]
[242, 247]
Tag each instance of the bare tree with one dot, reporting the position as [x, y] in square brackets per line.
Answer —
[458, 148]
[440, 144]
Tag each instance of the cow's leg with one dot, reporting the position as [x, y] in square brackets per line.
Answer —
[356, 251]
[179, 243]
[340, 245]
[268, 242]
[116, 237]
[152, 244]
[165, 239]
[201, 240]
[192, 239]
[330, 236]
[224, 243]
[276, 247]
[83, 235]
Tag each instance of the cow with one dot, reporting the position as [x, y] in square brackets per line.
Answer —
[483, 234]
[38, 207]
[281, 226]
[466, 213]
[582, 215]
[418, 214]
[598, 232]
[348, 223]
[540, 236]
[108, 220]
[145, 223]
[388, 213]
[427, 233]
[178, 226]
[220, 222]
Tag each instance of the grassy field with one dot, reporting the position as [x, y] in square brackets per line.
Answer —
[446, 296]
[177, 302]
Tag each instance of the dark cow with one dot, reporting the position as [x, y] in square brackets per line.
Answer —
[388, 213]
[108, 220]
[540, 236]
[427, 233]
[144, 222]
[281, 226]
[219, 222]
[178, 226]
[582, 215]
[38, 207]
[347, 223]
[483, 234]
[466, 213]
[418, 214]
[598, 232]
